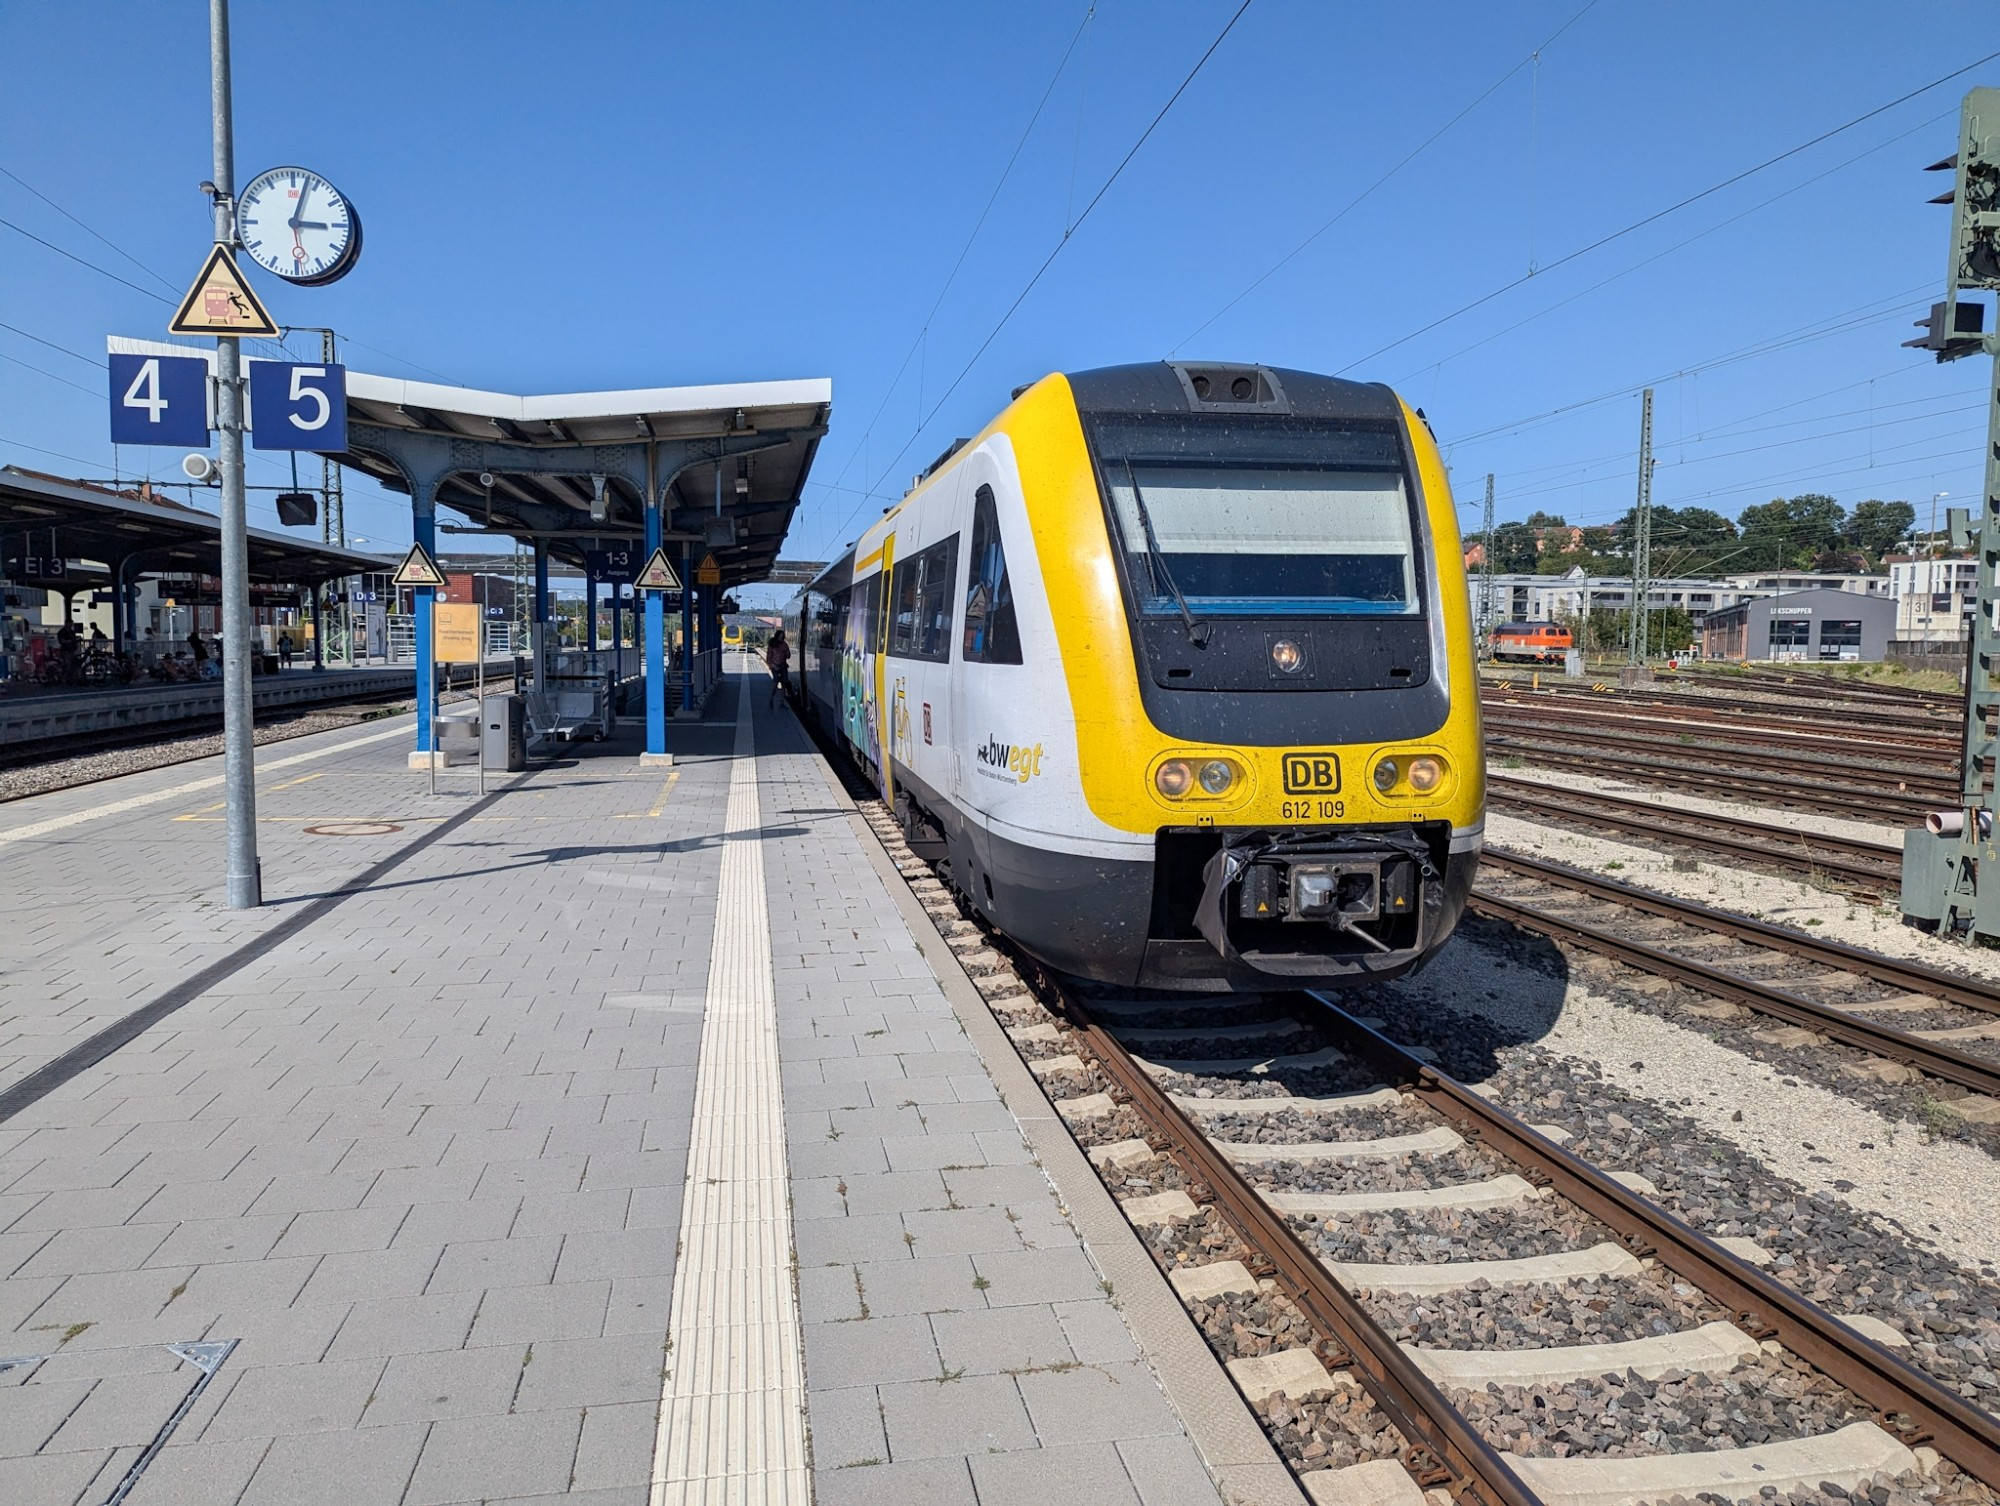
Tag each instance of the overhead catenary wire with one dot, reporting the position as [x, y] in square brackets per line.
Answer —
[86, 262]
[1671, 209]
[88, 230]
[1860, 314]
[52, 345]
[1057, 250]
[1678, 246]
[1355, 203]
[860, 446]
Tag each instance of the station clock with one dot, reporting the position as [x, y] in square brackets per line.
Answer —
[296, 225]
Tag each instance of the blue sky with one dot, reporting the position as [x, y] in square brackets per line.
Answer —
[563, 197]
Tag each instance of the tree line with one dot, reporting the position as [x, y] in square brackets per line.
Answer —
[1808, 532]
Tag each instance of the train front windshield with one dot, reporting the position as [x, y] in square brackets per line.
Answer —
[1286, 520]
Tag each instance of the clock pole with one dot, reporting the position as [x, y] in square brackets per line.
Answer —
[245, 887]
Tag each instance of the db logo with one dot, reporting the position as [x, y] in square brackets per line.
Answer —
[1312, 773]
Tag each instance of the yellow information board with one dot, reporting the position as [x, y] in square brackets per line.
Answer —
[457, 632]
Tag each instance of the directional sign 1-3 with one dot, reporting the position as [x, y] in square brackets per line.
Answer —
[298, 407]
[159, 400]
[612, 566]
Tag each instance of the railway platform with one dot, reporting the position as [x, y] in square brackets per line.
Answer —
[621, 1135]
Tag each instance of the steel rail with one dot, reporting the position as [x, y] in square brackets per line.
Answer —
[1742, 786]
[1749, 750]
[1407, 1396]
[1872, 864]
[1761, 1304]
[1804, 723]
[1977, 1074]
[1793, 684]
[1918, 977]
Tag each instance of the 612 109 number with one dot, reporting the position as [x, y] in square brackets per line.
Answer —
[1310, 810]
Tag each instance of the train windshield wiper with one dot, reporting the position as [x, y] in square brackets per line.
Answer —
[1156, 564]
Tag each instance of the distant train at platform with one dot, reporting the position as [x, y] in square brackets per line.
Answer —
[1170, 672]
[1531, 643]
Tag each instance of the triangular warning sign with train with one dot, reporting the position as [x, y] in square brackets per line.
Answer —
[221, 303]
[657, 574]
[418, 569]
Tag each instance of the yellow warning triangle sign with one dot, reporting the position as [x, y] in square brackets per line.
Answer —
[418, 569]
[221, 303]
[708, 572]
[657, 574]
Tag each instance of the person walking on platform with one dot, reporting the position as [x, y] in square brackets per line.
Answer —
[284, 650]
[777, 658]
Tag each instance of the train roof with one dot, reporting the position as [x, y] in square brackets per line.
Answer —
[1149, 387]
[1228, 387]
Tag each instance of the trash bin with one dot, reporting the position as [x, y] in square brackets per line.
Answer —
[505, 738]
[458, 739]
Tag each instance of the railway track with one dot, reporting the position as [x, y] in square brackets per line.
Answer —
[1871, 868]
[91, 758]
[1203, 1174]
[1416, 1387]
[1888, 763]
[40, 750]
[1833, 794]
[1702, 713]
[1602, 926]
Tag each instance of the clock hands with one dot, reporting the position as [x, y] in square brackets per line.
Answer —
[304, 262]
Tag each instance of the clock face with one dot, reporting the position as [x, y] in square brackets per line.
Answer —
[298, 226]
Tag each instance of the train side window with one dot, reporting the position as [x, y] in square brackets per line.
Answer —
[903, 615]
[924, 584]
[992, 636]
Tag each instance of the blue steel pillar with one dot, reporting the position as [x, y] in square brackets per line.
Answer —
[687, 631]
[590, 615]
[656, 645]
[423, 524]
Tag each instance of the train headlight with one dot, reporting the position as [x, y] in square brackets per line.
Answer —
[1426, 774]
[1385, 775]
[1217, 776]
[1287, 656]
[1174, 778]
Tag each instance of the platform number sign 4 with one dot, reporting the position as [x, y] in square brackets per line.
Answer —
[298, 407]
[159, 400]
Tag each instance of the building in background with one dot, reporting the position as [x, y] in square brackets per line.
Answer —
[1935, 599]
[1823, 626]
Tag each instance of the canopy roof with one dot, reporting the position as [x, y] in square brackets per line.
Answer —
[732, 458]
[767, 433]
[42, 517]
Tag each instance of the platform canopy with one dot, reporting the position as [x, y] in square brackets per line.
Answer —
[42, 518]
[730, 460]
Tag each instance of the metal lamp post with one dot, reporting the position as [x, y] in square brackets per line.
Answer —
[245, 885]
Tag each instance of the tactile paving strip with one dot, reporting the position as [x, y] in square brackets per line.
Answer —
[732, 1417]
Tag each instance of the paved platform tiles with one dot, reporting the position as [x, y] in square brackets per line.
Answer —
[421, 1151]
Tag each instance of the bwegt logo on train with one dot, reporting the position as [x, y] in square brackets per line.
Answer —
[1312, 773]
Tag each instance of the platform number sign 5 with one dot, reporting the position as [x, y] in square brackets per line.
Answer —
[159, 400]
[298, 407]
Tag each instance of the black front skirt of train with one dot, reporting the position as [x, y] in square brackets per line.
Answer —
[1232, 909]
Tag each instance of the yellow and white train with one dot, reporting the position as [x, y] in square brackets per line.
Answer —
[1171, 671]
